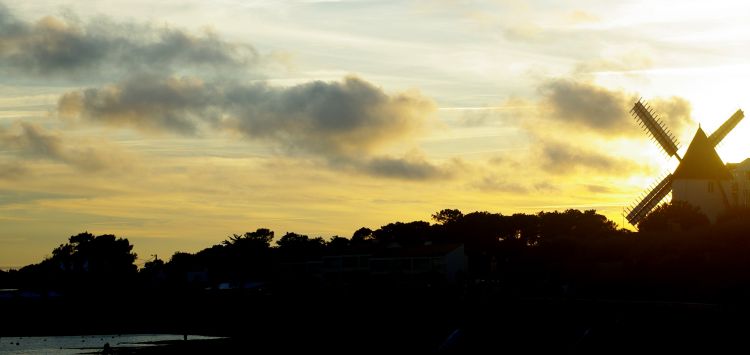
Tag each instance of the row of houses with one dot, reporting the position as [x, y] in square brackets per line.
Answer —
[430, 263]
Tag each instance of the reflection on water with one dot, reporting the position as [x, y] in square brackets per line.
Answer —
[81, 343]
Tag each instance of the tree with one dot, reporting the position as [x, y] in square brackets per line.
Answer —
[300, 246]
[105, 254]
[483, 230]
[574, 223]
[337, 243]
[261, 238]
[411, 233]
[447, 216]
[239, 257]
[362, 236]
[85, 262]
[676, 215]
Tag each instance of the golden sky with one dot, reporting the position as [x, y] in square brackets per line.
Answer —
[177, 123]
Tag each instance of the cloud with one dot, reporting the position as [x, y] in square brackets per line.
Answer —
[346, 122]
[633, 60]
[587, 105]
[165, 80]
[342, 118]
[674, 112]
[348, 118]
[33, 142]
[68, 48]
[598, 189]
[147, 103]
[560, 158]
[10, 170]
[494, 183]
[484, 117]
[406, 168]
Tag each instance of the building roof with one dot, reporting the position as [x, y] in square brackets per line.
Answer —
[743, 165]
[433, 250]
[701, 161]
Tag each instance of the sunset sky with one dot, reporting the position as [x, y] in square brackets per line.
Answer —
[177, 123]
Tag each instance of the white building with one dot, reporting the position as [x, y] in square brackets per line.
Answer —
[740, 195]
[702, 179]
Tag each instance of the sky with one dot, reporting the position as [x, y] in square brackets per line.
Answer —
[178, 123]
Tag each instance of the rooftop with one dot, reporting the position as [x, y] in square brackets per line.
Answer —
[701, 162]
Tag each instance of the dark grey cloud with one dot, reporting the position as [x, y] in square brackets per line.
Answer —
[346, 122]
[588, 105]
[348, 118]
[67, 48]
[147, 102]
[584, 104]
[342, 118]
[33, 142]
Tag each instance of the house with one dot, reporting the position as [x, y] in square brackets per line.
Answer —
[431, 262]
[740, 195]
[702, 179]
[447, 262]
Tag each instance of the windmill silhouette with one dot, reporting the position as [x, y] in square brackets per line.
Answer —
[701, 178]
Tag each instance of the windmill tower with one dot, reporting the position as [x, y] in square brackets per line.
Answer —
[701, 178]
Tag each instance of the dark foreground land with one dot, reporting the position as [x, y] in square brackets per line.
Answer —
[396, 321]
[203, 346]
[566, 282]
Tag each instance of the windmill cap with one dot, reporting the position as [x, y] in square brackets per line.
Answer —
[701, 162]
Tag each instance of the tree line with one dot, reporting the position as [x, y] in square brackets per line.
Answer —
[676, 251]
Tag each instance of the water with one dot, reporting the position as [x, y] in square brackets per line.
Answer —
[78, 344]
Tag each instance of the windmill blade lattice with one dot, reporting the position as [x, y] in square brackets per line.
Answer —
[655, 126]
[657, 193]
[721, 132]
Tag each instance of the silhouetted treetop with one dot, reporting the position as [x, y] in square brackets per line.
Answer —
[447, 216]
[338, 243]
[405, 233]
[103, 254]
[575, 223]
[261, 238]
[85, 262]
[362, 236]
[297, 242]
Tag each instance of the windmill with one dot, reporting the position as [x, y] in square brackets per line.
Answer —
[701, 178]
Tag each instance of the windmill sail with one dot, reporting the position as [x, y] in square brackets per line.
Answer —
[721, 132]
[655, 127]
[657, 193]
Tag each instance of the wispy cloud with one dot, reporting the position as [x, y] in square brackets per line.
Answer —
[28, 141]
[494, 183]
[11, 170]
[409, 168]
[67, 48]
[564, 158]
